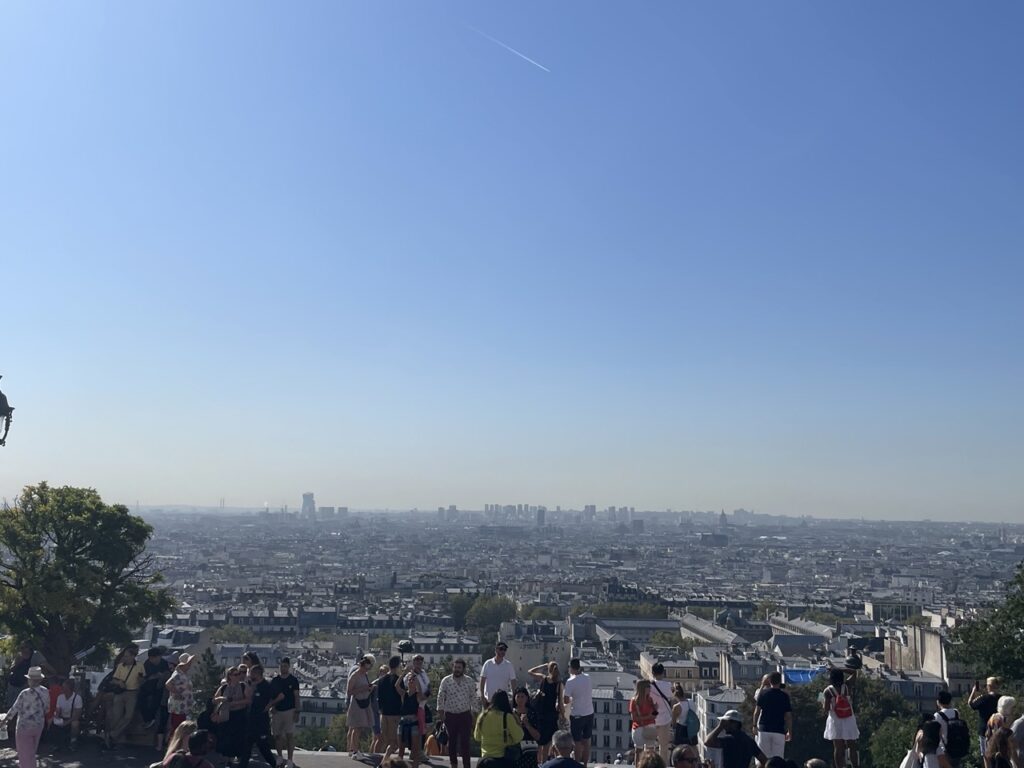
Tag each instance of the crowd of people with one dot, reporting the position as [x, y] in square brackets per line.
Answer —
[389, 707]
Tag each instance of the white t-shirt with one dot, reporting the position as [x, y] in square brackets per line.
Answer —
[579, 689]
[65, 706]
[663, 705]
[952, 714]
[497, 677]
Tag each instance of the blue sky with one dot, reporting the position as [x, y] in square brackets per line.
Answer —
[720, 255]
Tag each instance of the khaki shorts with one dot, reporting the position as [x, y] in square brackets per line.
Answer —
[389, 729]
[284, 722]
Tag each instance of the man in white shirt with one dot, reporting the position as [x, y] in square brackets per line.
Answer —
[67, 715]
[946, 712]
[661, 692]
[579, 693]
[497, 674]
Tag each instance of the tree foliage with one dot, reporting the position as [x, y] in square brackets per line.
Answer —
[232, 633]
[459, 606]
[539, 613]
[993, 642]
[74, 574]
[206, 678]
[891, 740]
[489, 611]
[664, 639]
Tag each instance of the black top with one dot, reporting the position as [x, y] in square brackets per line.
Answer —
[774, 704]
[389, 700]
[547, 700]
[411, 702]
[737, 749]
[986, 706]
[261, 698]
[562, 762]
[289, 686]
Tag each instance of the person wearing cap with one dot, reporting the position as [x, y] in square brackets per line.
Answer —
[736, 745]
[497, 674]
[30, 707]
[179, 690]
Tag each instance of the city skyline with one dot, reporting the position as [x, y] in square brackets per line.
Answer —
[667, 256]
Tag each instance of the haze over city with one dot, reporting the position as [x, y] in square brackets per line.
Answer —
[410, 255]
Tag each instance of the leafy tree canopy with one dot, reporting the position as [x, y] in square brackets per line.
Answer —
[993, 642]
[621, 610]
[74, 574]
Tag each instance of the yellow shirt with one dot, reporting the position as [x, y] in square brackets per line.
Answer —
[130, 675]
[490, 732]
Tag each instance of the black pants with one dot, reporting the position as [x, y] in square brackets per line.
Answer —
[261, 740]
[149, 700]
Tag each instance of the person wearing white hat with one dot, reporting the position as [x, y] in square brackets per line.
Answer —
[179, 689]
[30, 708]
[737, 747]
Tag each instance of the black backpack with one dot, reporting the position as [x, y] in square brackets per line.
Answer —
[958, 736]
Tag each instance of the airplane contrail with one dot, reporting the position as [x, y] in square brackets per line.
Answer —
[508, 48]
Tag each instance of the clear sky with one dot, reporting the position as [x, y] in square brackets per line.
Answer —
[693, 255]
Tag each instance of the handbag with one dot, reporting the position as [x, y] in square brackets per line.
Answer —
[512, 751]
[441, 734]
[363, 703]
[911, 760]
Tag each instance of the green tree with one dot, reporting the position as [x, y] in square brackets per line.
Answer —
[766, 608]
[232, 633]
[382, 643]
[992, 643]
[889, 743]
[206, 679]
[459, 606]
[74, 573]
[822, 617]
[489, 611]
[539, 613]
[313, 738]
[664, 639]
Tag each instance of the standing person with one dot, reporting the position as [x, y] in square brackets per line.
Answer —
[736, 745]
[1002, 717]
[563, 745]
[233, 698]
[579, 693]
[179, 692]
[954, 735]
[389, 701]
[927, 744]
[359, 690]
[17, 678]
[497, 729]
[455, 698]
[378, 744]
[529, 721]
[155, 672]
[124, 683]
[998, 752]
[985, 703]
[423, 688]
[661, 692]
[497, 674]
[550, 707]
[30, 708]
[642, 716]
[680, 716]
[284, 692]
[67, 715]
[773, 716]
[410, 729]
[841, 724]
[1017, 732]
[258, 727]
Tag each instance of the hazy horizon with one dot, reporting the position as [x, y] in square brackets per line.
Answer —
[686, 256]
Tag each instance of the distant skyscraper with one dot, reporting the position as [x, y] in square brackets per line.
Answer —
[308, 505]
[540, 517]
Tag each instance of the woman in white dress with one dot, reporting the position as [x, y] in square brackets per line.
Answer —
[841, 725]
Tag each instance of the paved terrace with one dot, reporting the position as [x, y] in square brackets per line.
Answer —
[89, 756]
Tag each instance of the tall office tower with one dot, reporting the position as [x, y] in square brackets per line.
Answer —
[308, 505]
[540, 517]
